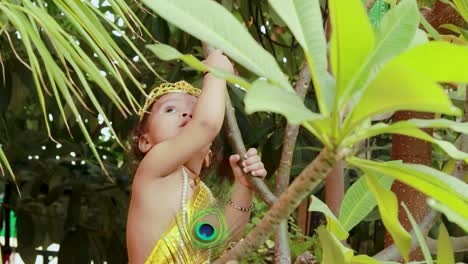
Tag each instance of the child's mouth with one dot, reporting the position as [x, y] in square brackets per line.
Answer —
[184, 123]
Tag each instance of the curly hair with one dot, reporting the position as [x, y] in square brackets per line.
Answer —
[137, 132]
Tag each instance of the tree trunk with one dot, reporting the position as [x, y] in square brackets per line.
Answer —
[410, 150]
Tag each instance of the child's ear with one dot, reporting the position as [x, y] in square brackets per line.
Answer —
[144, 143]
[207, 159]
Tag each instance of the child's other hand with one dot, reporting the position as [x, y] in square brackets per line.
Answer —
[252, 164]
[216, 59]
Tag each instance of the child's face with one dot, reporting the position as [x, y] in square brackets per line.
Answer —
[169, 114]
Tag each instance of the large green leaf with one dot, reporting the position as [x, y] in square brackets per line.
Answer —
[444, 247]
[333, 251]
[419, 236]
[352, 41]
[333, 225]
[398, 87]
[211, 22]
[304, 19]
[166, 52]
[445, 188]
[437, 60]
[451, 214]
[411, 128]
[388, 208]
[393, 35]
[358, 202]
[382, 128]
[264, 96]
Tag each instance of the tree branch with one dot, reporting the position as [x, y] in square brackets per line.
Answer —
[299, 189]
[392, 253]
[235, 140]
[282, 253]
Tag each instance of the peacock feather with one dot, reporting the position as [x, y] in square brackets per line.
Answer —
[199, 236]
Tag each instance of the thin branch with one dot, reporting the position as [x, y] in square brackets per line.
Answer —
[459, 244]
[282, 253]
[392, 252]
[235, 140]
[299, 189]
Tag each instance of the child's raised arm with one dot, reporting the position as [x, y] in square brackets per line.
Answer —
[208, 115]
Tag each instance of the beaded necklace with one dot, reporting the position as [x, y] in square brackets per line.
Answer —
[183, 206]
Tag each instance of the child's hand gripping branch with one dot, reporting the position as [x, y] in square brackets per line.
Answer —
[239, 206]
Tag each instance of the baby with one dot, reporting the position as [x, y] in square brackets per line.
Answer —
[177, 126]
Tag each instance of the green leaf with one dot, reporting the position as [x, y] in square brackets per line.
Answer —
[333, 251]
[419, 236]
[304, 19]
[411, 128]
[221, 30]
[444, 247]
[263, 96]
[398, 87]
[450, 60]
[363, 259]
[393, 35]
[4, 160]
[452, 215]
[429, 28]
[333, 225]
[388, 208]
[358, 202]
[348, 20]
[377, 11]
[166, 52]
[445, 188]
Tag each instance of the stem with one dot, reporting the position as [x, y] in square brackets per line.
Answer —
[300, 188]
[235, 139]
[282, 253]
[392, 252]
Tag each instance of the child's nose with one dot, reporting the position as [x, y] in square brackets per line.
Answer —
[187, 114]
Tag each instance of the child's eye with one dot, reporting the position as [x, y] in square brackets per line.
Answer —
[170, 109]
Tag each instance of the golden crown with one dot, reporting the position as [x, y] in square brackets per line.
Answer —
[166, 88]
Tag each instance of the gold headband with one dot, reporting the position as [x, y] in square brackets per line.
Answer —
[166, 88]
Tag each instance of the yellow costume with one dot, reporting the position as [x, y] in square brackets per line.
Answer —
[171, 248]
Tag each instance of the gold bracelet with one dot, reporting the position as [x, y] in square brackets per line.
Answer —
[240, 208]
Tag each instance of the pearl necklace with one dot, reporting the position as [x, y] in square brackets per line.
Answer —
[183, 206]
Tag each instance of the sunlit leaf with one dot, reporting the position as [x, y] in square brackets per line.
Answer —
[347, 53]
[411, 128]
[166, 52]
[410, 91]
[221, 30]
[333, 251]
[388, 208]
[358, 202]
[419, 236]
[263, 96]
[452, 215]
[444, 246]
[304, 19]
[333, 225]
[445, 188]
[450, 60]
[393, 35]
